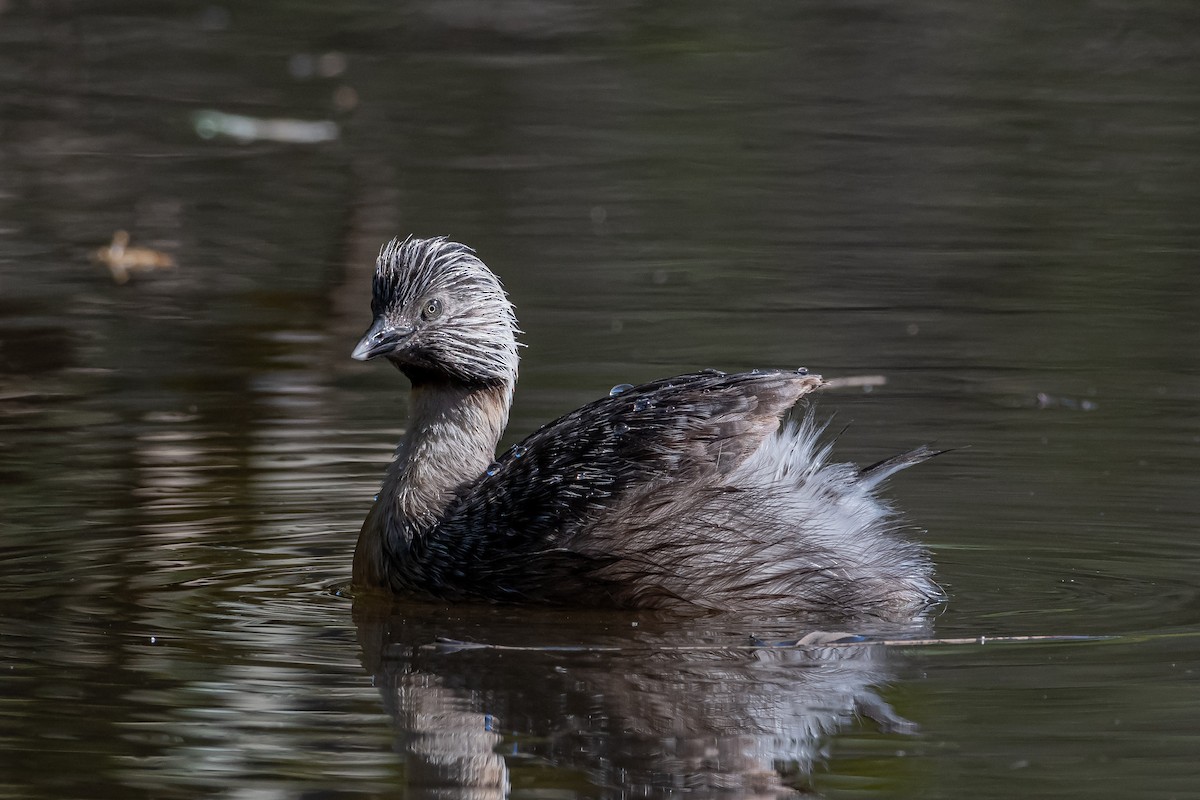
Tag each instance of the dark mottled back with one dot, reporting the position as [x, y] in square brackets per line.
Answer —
[509, 535]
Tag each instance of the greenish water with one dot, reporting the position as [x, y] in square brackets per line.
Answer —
[994, 208]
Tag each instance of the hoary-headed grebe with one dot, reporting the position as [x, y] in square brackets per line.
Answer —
[681, 493]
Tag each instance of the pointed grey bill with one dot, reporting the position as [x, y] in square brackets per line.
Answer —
[380, 339]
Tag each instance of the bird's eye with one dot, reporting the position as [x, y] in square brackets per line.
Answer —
[432, 309]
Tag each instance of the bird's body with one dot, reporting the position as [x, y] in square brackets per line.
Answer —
[681, 493]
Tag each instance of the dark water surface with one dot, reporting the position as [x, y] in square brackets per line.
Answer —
[993, 207]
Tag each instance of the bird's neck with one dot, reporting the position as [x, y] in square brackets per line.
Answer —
[451, 440]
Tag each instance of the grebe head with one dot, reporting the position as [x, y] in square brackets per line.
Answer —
[440, 314]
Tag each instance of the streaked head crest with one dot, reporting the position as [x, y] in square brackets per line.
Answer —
[408, 268]
[477, 338]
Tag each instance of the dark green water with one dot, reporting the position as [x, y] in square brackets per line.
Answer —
[995, 208]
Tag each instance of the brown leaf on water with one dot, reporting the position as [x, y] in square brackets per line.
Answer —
[123, 260]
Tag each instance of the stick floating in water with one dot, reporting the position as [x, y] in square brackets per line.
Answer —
[210, 124]
[865, 382]
[816, 639]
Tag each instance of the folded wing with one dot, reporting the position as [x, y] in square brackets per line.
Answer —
[542, 495]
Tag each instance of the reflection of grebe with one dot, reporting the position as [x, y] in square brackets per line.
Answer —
[683, 492]
[653, 716]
